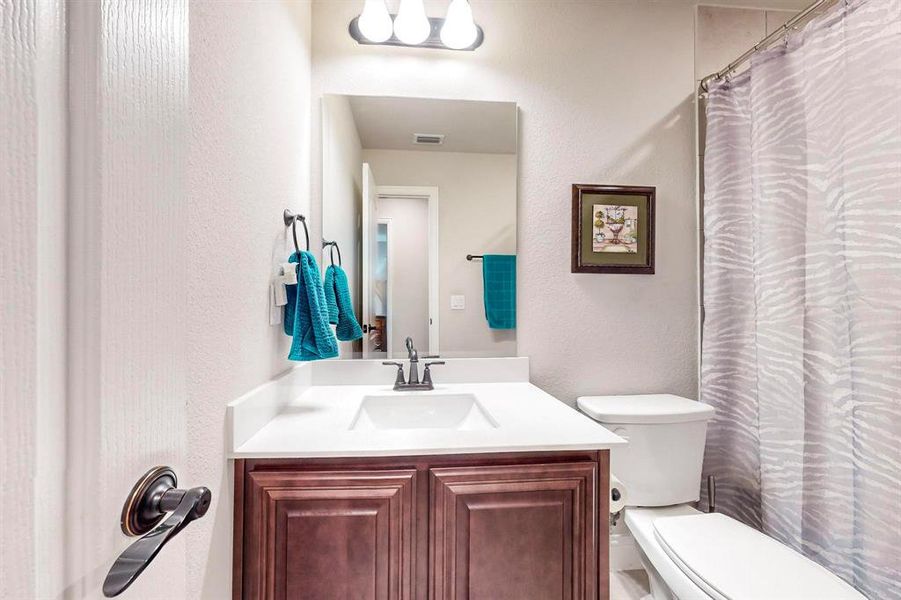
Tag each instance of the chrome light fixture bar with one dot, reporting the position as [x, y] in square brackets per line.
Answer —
[444, 34]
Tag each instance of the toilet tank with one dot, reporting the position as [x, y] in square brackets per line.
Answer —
[661, 464]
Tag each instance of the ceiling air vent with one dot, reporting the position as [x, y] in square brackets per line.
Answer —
[428, 139]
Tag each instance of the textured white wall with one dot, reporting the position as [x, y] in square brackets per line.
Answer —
[724, 33]
[32, 292]
[248, 161]
[476, 215]
[342, 185]
[605, 91]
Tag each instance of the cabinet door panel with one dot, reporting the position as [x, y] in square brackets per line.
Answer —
[517, 532]
[329, 535]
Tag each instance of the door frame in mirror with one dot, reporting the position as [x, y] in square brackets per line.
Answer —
[389, 285]
[430, 194]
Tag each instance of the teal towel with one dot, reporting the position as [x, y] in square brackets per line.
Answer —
[499, 283]
[306, 315]
[338, 292]
[331, 299]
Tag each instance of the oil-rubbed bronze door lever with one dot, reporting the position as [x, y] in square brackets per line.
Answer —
[152, 497]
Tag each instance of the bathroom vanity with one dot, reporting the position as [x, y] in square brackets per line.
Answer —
[477, 489]
[483, 487]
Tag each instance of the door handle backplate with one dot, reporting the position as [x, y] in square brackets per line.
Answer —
[153, 497]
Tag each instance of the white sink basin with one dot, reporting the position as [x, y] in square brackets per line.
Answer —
[462, 412]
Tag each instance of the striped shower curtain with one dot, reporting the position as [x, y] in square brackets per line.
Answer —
[801, 352]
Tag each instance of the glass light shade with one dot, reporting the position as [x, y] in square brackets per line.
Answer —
[375, 22]
[459, 30]
[411, 26]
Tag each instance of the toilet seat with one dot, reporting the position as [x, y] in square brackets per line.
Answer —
[728, 560]
[640, 522]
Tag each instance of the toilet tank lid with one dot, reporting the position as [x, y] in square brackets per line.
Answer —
[644, 408]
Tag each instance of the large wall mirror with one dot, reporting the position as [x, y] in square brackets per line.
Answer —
[419, 196]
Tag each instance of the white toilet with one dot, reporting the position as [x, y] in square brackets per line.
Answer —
[688, 554]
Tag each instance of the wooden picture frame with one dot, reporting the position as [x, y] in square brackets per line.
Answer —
[613, 229]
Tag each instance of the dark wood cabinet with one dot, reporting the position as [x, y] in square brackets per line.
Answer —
[495, 526]
[332, 534]
[516, 532]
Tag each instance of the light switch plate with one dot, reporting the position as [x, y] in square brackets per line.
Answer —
[458, 302]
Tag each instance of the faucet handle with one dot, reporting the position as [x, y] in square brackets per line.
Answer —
[399, 380]
[427, 374]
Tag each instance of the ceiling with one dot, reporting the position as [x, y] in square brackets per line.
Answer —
[468, 126]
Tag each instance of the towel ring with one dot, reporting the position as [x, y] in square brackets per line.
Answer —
[291, 220]
[331, 251]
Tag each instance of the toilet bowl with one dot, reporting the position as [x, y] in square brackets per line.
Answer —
[687, 554]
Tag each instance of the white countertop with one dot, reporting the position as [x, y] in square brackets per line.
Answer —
[317, 424]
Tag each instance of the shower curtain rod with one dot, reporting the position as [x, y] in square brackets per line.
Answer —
[765, 42]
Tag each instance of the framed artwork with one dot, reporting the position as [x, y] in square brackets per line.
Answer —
[613, 229]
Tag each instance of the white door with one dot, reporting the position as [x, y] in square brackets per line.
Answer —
[105, 369]
[92, 354]
[370, 252]
[128, 284]
[427, 338]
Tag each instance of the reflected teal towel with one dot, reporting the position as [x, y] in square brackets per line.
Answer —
[499, 283]
[306, 315]
[337, 295]
[331, 298]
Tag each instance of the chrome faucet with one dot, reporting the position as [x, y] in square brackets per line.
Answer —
[413, 383]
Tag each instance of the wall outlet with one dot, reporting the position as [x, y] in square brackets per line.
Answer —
[458, 302]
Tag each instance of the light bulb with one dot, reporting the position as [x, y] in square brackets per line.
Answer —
[375, 22]
[411, 26]
[459, 30]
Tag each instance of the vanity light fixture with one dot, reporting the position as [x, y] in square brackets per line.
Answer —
[412, 28]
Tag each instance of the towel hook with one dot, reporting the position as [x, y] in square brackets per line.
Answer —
[291, 220]
[331, 251]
